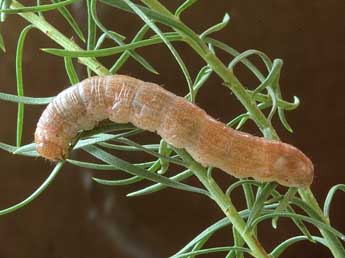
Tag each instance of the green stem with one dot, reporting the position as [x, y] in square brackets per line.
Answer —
[259, 118]
[333, 242]
[42, 25]
[232, 82]
[224, 202]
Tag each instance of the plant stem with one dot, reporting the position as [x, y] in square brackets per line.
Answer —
[220, 198]
[40, 23]
[259, 118]
[230, 81]
[222, 70]
[333, 242]
[224, 202]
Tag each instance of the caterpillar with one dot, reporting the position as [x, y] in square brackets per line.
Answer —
[146, 105]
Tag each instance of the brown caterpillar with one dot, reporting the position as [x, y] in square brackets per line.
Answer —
[182, 124]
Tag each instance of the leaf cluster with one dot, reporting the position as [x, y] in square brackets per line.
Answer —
[263, 201]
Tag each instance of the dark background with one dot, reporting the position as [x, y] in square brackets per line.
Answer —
[76, 217]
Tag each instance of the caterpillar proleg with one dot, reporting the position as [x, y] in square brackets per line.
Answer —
[124, 99]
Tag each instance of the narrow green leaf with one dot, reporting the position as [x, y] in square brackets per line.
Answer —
[157, 187]
[160, 17]
[277, 251]
[2, 43]
[236, 120]
[71, 73]
[36, 193]
[90, 165]
[281, 103]
[330, 197]
[132, 143]
[248, 194]
[125, 55]
[183, 7]
[231, 254]
[219, 225]
[97, 166]
[4, 4]
[281, 112]
[107, 128]
[273, 90]
[109, 51]
[273, 96]
[131, 169]
[315, 222]
[20, 86]
[30, 149]
[152, 147]
[91, 31]
[38, 3]
[101, 40]
[283, 204]
[104, 35]
[260, 203]
[198, 246]
[209, 231]
[240, 183]
[25, 148]
[201, 78]
[238, 242]
[127, 181]
[235, 53]
[25, 100]
[41, 8]
[71, 21]
[165, 151]
[243, 118]
[114, 35]
[260, 97]
[104, 137]
[301, 226]
[242, 122]
[214, 250]
[179, 60]
[119, 40]
[271, 77]
[216, 27]
[267, 61]
[283, 120]
[134, 179]
[7, 147]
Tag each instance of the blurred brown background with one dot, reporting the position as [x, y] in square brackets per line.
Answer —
[76, 217]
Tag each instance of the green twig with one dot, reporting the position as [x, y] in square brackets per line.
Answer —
[60, 39]
[259, 118]
[224, 202]
[230, 80]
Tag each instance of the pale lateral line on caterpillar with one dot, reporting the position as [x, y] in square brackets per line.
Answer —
[182, 124]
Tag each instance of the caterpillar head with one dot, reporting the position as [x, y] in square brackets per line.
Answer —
[50, 147]
[291, 166]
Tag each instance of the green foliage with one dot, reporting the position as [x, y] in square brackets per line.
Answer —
[263, 200]
[20, 86]
[38, 8]
[71, 21]
[2, 43]
[70, 70]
